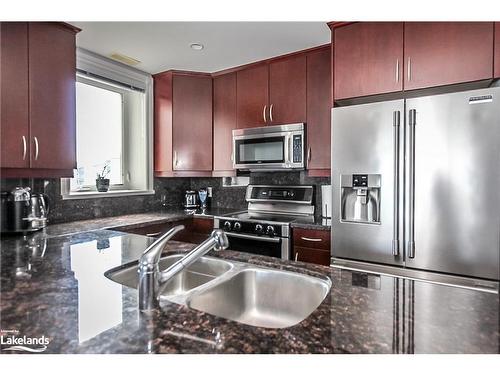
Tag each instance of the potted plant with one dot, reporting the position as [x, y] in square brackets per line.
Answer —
[102, 182]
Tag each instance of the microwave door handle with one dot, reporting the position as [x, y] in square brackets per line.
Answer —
[289, 148]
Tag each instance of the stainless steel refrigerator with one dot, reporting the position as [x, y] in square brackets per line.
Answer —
[416, 183]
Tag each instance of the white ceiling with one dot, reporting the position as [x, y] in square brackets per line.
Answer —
[162, 46]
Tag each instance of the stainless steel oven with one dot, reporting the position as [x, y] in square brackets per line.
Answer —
[264, 228]
[269, 148]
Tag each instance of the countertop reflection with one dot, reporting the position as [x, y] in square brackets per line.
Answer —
[54, 286]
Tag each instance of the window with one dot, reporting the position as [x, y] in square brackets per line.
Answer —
[113, 129]
[99, 134]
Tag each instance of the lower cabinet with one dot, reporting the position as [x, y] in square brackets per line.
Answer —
[311, 246]
[197, 229]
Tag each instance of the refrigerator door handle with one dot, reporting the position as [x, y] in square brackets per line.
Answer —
[411, 183]
[395, 237]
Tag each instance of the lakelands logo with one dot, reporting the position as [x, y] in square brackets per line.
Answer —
[11, 341]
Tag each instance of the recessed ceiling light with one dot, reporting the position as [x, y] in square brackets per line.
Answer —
[196, 46]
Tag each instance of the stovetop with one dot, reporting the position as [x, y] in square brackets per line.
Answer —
[264, 216]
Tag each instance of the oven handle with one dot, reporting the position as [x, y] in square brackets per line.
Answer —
[256, 238]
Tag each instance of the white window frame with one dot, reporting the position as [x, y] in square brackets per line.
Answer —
[112, 71]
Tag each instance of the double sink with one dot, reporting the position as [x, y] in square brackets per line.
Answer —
[249, 294]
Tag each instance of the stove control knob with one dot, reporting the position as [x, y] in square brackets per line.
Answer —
[270, 230]
[237, 226]
[259, 229]
[227, 226]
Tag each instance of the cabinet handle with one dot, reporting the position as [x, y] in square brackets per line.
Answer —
[24, 148]
[264, 113]
[409, 68]
[311, 239]
[232, 156]
[309, 154]
[271, 112]
[175, 159]
[153, 234]
[397, 70]
[296, 256]
[36, 147]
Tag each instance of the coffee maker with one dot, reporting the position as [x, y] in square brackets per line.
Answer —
[23, 211]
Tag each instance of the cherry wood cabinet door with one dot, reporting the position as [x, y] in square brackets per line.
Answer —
[192, 123]
[52, 69]
[318, 109]
[163, 124]
[311, 255]
[14, 125]
[224, 120]
[368, 59]
[444, 53]
[287, 91]
[252, 97]
[497, 50]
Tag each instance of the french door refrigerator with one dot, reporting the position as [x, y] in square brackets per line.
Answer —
[416, 183]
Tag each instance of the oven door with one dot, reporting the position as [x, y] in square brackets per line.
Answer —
[275, 247]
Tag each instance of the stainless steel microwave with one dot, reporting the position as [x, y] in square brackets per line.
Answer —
[269, 148]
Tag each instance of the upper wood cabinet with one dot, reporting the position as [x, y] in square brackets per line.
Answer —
[252, 96]
[272, 93]
[38, 67]
[496, 72]
[443, 53]
[224, 123]
[183, 124]
[287, 91]
[368, 59]
[318, 112]
[15, 139]
[52, 69]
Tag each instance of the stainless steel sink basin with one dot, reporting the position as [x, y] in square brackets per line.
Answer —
[263, 297]
[204, 270]
[249, 294]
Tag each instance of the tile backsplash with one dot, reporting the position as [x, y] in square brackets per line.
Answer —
[168, 191]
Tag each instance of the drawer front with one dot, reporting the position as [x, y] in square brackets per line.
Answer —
[305, 254]
[316, 239]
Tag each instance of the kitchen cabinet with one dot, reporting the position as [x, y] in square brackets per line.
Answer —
[312, 246]
[272, 93]
[287, 91]
[368, 59]
[15, 140]
[443, 53]
[224, 123]
[318, 101]
[183, 124]
[197, 229]
[252, 96]
[38, 99]
[496, 72]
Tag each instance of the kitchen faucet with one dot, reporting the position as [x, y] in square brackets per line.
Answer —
[152, 281]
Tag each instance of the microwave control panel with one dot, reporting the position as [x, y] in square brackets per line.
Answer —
[297, 148]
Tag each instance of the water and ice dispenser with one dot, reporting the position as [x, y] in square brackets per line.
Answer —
[360, 198]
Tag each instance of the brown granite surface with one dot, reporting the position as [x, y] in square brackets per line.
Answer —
[128, 221]
[54, 286]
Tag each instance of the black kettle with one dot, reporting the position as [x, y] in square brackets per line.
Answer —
[23, 211]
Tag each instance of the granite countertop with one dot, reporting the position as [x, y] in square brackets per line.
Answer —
[130, 221]
[315, 223]
[55, 287]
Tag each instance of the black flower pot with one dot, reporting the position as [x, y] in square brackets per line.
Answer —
[102, 184]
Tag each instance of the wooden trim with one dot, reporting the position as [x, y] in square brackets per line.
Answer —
[181, 73]
[230, 173]
[35, 172]
[319, 172]
[183, 173]
[336, 24]
[270, 60]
